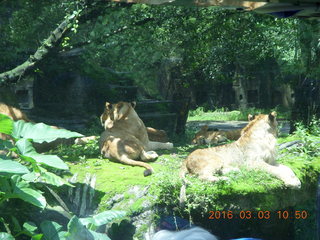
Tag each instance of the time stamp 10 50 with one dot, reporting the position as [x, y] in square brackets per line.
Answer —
[263, 215]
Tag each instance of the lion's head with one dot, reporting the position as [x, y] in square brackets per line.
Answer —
[199, 137]
[115, 112]
[256, 120]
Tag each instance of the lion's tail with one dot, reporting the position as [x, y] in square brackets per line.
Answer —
[183, 196]
[149, 170]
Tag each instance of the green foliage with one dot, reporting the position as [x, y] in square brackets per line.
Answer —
[40, 132]
[92, 223]
[78, 228]
[18, 176]
[310, 139]
[245, 189]
[24, 177]
[223, 114]
[6, 236]
[77, 152]
[6, 124]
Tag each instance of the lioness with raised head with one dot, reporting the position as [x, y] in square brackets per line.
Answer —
[125, 138]
[256, 148]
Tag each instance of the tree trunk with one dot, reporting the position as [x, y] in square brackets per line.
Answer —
[240, 89]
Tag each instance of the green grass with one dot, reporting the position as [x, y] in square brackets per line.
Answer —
[245, 190]
[222, 114]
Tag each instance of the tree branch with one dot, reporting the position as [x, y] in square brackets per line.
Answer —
[41, 52]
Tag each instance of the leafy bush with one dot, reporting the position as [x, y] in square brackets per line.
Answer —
[309, 136]
[24, 177]
[78, 152]
[78, 228]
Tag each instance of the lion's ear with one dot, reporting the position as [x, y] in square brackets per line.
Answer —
[251, 117]
[272, 116]
[121, 110]
[204, 128]
[108, 105]
[133, 104]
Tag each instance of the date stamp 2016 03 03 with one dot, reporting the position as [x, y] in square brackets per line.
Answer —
[263, 215]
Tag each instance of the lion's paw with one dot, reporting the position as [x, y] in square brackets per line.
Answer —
[296, 184]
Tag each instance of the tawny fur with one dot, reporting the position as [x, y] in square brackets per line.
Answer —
[157, 135]
[256, 148]
[125, 138]
[217, 136]
[14, 113]
[214, 137]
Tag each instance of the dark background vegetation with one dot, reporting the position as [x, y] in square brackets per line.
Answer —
[207, 57]
[168, 58]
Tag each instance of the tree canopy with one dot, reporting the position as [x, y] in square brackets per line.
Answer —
[212, 45]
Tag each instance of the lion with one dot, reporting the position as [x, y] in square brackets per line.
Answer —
[14, 113]
[125, 138]
[217, 136]
[157, 135]
[256, 149]
[214, 137]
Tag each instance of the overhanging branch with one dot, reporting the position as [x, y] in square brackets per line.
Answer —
[41, 52]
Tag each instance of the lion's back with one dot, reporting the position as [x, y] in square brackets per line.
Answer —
[14, 113]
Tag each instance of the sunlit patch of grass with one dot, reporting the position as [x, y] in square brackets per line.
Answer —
[224, 114]
[245, 189]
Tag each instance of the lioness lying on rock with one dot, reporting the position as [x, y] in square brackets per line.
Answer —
[157, 135]
[125, 138]
[217, 136]
[256, 148]
[214, 137]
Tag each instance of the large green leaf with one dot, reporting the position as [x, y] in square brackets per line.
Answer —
[53, 179]
[40, 132]
[77, 231]
[30, 228]
[6, 124]
[5, 144]
[102, 218]
[27, 150]
[5, 185]
[37, 237]
[6, 236]
[50, 230]
[99, 236]
[31, 177]
[46, 177]
[12, 167]
[21, 189]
